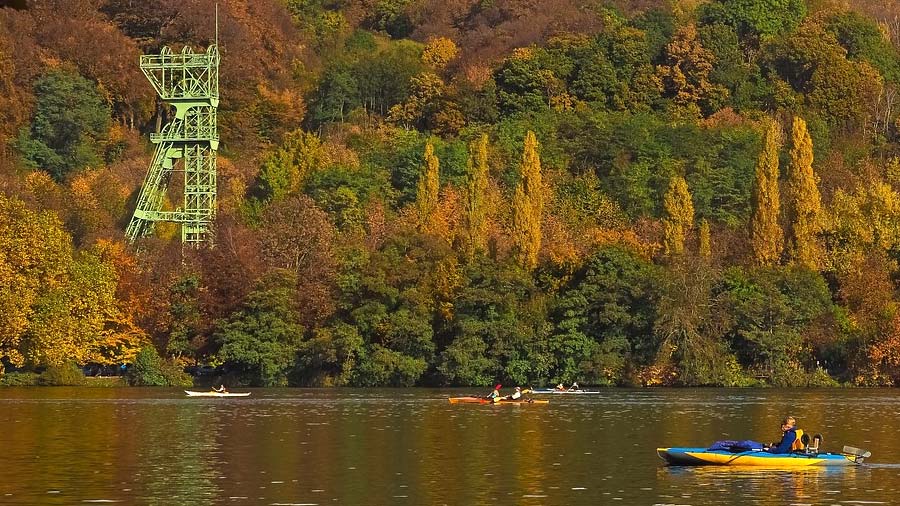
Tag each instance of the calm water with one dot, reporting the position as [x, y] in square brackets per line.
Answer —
[411, 447]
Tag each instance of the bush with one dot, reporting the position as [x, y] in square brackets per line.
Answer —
[19, 379]
[67, 374]
[150, 370]
[820, 378]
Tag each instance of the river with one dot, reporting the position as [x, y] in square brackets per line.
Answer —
[153, 446]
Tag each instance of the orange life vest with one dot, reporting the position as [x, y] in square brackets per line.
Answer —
[798, 442]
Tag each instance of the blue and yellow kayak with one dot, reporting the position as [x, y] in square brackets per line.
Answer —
[705, 457]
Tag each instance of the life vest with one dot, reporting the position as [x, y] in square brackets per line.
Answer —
[798, 442]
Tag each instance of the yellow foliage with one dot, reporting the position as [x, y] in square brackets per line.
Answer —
[804, 204]
[528, 205]
[475, 213]
[447, 219]
[53, 307]
[280, 107]
[685, 76]
[868, 218]
[427, 190]
[438, 52]
[705, 248]
[447, 279]
[559, 245]
[679, 215]
[766, 237]
[425, 89]
[599, 237]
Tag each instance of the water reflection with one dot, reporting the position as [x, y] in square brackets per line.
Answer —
[155, 447]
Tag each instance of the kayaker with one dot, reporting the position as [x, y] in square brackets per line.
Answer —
[496, 393]
[574, 386]
[515, 395]
[560, 387]
[790, 437]
[220, 390]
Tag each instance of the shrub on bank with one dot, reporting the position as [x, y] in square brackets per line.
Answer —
[67, 374]
[19, 379]
[150, 370]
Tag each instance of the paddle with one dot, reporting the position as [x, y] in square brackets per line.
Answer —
[858, 453]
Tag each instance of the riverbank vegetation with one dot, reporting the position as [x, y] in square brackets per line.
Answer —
[414, 192]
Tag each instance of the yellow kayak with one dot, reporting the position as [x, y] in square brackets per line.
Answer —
[482, 400]
[706, 457]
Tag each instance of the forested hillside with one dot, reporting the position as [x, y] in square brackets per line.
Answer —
[456, 192]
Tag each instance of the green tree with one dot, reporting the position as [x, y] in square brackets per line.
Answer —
[804, 205]
[760, 18]
[263, 337]
[610, 300]
[498, 329]
[766, 236]
[679, 215]
[330, 357]
[337, 95]
[69, 125]
[185, 329]
[521, 83]
[284, 170]
[864, 40]
[150, 370]
[528, 205]
[770, 311]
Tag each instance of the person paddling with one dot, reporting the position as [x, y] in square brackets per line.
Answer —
[515, 395]
[220, 390]
[574, 387]
[495, 395]
[560, 387]
[790, 437]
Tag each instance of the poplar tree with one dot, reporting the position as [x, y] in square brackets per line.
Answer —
[427, 190]
[804, 204]
[528, 205]
[475, 218]
[705, 248]
[679, 215]
[766, 236]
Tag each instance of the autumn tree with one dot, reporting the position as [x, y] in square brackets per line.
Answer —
[427, 190]
[705, 244]
[862, 220]
[679, 212]
[475, 217]
[56, 305]
[438, 52]
[285, 168]
[803, 202]
[296, 236]
[766, 236]
[685, 76]
[528, 205]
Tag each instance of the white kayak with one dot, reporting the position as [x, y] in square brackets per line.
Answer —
[570, 392]
[213, 393]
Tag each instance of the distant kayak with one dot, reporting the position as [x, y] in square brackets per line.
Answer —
[216, 394]
[482, 400]
[570, 392]
[706, 457]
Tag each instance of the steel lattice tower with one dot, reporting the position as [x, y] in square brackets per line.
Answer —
[190, 82]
